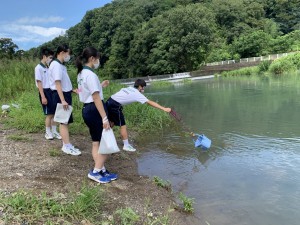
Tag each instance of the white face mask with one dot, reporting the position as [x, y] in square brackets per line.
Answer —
[48, 61]
[67, 58]
[96, 65]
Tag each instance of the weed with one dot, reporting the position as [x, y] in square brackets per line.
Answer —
[36, 209]
[187, 203]
[54, 152]
[126, 216]
[15, 137]
[161, 183]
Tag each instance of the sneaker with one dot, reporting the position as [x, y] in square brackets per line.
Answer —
[111, 176]
[129, 148]
[98, 177]
[49, 136]
[56, 135]
[76, 150]
[70, 150]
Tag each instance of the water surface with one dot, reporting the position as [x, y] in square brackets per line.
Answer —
[251, 174]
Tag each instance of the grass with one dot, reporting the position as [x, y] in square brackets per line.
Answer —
[26, 207]
[54, 152]
[282, 66]
[159, 84]
[162, 183]
[187, 203]
[19, 138]
[29, 117]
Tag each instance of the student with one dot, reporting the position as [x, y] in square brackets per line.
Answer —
[61, 87]
[45, 94]
[124, 97]
[93, 112]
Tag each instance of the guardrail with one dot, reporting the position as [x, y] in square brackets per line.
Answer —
[252, 59]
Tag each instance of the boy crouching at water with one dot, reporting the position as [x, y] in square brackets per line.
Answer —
[124, 97]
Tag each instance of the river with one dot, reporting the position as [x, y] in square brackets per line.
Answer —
[251, 173]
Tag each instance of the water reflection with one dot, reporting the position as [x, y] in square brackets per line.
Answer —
[251, 174]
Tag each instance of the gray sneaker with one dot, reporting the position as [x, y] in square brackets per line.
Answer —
[129, 148]
[56, 135]
[49, 136]
[71, 150]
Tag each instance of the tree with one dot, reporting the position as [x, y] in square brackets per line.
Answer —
[255, 43]
[7, 48]
[175, 41]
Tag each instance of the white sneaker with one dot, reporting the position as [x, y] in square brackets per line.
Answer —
[129, 148]
[76, 150]
[49, 136]
[56, 135]
[71, 150]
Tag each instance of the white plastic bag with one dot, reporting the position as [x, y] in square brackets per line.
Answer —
[108, 143]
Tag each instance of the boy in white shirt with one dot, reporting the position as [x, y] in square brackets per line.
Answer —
[124, 97]
[45, 94]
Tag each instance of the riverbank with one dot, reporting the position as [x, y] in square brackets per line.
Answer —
[32, 164]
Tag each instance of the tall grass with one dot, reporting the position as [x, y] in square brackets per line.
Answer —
[18, 86]
[15, 77]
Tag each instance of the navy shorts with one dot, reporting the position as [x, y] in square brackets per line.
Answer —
[115, 112]
[93, 120]
[47, 109]
[68, 99]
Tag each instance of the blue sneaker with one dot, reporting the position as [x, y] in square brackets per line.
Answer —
[98, 177]
[111, 176]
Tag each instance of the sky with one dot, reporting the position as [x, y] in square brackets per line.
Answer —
[30, 23]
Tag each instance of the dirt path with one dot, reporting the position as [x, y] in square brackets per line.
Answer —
[30, 162]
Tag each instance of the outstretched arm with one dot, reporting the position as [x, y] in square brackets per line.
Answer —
[156, 105]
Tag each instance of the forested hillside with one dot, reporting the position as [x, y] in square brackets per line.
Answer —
[151, 37]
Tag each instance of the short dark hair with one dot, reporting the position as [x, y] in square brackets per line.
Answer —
[140, 82]
[63, 48]
[47, 52]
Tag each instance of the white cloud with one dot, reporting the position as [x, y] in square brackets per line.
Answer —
[23, 35]
[26, 32]
[38, 20]
[37, 30]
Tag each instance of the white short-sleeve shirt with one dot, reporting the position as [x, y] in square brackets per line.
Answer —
[129, 95]
[41, 74]
[88, 84]
[57, 71]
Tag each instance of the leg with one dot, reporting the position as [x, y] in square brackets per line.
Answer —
[124, 136]
[123, 132]
[48, 135]
[54, 130]
[48, 120]
[98, 158]
[64, 132]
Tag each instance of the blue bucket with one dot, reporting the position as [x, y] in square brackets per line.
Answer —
[202, 141]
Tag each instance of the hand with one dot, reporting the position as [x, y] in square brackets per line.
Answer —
[76, 91]
[65, 105]
[44, 101]
[167, 110]
[106, 125]
[105, 83]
